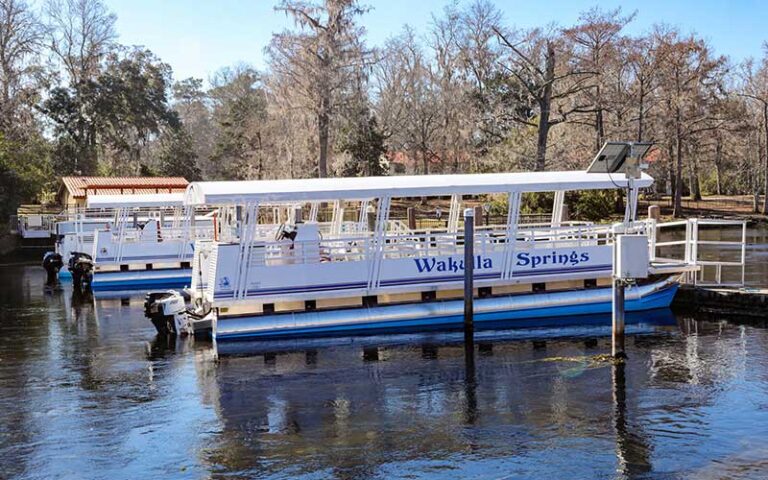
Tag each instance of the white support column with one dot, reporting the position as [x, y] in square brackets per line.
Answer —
[454, 214]
[122, 219]
[557, 208]
[513, 216]
[630, 209]
[362, 219]
[338, 218]
[313, 212]
[376, 249]
[250, 220]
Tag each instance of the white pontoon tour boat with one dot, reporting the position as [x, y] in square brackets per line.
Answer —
[272, 270]
[125, 242]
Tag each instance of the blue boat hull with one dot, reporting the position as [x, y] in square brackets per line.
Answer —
[142, 280]
[408, 318]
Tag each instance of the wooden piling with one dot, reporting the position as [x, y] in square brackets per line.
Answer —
[617, 330]
[654, 213]
[469, 263]
[479, 216]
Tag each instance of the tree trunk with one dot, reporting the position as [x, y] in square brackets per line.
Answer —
[599, 127]
[545, 105]
[765, 169]
[677, 208]
[641, 113]
[695, 186]
[323, 121]
[718, 164]
[754, 179]
[671, 167]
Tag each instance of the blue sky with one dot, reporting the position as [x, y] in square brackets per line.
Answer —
[197, 37]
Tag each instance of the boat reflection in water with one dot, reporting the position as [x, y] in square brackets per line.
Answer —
[362, 407]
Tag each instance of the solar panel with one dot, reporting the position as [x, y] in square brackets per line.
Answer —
[613, 155]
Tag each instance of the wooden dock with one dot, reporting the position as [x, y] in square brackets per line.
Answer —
[742, 302]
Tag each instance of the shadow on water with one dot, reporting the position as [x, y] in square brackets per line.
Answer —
[543, 328]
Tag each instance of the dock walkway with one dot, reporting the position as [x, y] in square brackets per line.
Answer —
[730, 301]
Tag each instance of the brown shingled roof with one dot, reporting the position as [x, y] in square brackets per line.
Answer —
[79, 186]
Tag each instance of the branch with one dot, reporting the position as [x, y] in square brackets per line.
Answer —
[518, 52]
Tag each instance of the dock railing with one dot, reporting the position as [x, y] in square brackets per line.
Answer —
[712, 256]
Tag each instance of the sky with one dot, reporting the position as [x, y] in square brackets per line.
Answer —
[198, 37]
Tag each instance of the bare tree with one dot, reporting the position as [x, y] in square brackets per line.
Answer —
[692, 86]
[321, 59]
[533, 61]
[81, 34]
[594, 47]
[21, 36]
[407, 91]
[755, 88]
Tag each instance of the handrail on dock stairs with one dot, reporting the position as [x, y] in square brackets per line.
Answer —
[693, 254]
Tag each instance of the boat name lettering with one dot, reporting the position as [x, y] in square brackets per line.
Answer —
[526, 259]
[450, 264]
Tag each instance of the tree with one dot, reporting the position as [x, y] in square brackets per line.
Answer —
[691, 88]
[408, 94]
[755, 88]
[192, 105]
[177, 156]
[21, 36]
[25, 172]
[117, 113]
[364, 143]
[240, 111]
[533, 61]
[80, 34]
[594, 48]
[322, 58]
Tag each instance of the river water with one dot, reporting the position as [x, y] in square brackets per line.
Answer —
[88, 391]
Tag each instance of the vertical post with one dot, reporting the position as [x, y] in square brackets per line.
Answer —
[617, 331]
[743, 251]
[479, 216]
[617, 303]
[411, 212]
[469, 263]
[298, 215]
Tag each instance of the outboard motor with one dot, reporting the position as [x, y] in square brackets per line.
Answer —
[81, 267]
[168, 312]
[52, 263]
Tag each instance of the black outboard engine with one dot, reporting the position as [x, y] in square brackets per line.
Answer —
[52, 263]
[81, 267]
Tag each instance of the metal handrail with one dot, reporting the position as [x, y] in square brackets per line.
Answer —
[691, 255]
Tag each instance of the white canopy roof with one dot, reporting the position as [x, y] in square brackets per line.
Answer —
[139, 200]
[351, 188]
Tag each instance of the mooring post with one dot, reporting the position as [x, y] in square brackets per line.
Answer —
[617, 336]
[469, 264]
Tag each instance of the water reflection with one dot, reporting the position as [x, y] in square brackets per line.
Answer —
[87, 389]
[632, 448]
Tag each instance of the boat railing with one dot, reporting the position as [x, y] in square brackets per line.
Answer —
[685, 241]
[344, 248]
[138, 235]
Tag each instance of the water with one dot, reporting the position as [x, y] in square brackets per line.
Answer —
[88, 391]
